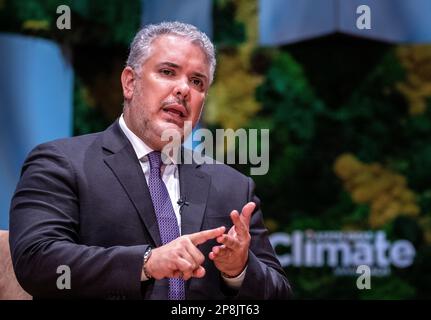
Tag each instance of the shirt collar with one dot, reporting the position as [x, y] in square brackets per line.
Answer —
[140, 147]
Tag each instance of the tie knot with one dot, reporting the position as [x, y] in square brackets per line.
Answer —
[155, 159]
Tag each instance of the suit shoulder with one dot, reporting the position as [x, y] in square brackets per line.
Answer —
[213, 167]
[72, 144]
[224, 171]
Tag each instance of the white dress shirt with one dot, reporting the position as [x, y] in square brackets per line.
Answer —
[169, 172]
[170, 177]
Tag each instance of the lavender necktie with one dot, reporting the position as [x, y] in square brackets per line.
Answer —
[166, 219]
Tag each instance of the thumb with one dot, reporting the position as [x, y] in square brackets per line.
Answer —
[247, 211]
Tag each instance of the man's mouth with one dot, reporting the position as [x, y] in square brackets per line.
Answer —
[176, 109]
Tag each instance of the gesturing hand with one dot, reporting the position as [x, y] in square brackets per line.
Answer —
[231, 257]
[181, 257]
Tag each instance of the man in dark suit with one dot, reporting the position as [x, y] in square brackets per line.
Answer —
[127, 224]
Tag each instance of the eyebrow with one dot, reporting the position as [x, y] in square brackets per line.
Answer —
[200, 75]
[175, 66]
[169, 64]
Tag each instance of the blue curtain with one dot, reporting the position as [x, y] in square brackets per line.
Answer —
[287, 21]
[198, 13]
[398, 21]
[36, 96]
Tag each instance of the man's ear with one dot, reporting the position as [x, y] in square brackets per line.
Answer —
[128, 82]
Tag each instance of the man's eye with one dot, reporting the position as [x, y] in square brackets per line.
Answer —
[197, 82]
[167, 72]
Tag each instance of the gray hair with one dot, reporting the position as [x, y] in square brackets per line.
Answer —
[140, 47]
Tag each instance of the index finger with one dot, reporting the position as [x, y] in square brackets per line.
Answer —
[203, 236]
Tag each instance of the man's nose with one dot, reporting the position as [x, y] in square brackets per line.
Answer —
[182, 89]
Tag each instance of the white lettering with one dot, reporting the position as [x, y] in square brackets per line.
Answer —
[402, 253]
[64, 21]
[364, 20]
[364, 280]
[63, 281]
[343, 251]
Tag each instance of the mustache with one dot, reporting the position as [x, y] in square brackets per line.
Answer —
[176, 101]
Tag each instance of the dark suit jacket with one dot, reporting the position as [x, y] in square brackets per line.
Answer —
[84, 202]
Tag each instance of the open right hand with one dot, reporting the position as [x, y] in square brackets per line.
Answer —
[181, 258]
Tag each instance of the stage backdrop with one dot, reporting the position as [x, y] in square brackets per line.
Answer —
[288, 21]
[36, 83]
[349, 180]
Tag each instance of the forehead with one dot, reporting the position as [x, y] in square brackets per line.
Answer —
[178, 50]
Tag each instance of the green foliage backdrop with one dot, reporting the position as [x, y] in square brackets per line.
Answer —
[349, 148]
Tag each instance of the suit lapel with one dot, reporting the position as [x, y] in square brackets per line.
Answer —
[125, 166]
[194, 184]
[194, 187]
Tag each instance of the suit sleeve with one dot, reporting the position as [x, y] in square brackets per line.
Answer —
[265, 278]
[44, 228]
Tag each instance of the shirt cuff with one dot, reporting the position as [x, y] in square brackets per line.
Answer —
[143, 276]
[235, 283]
